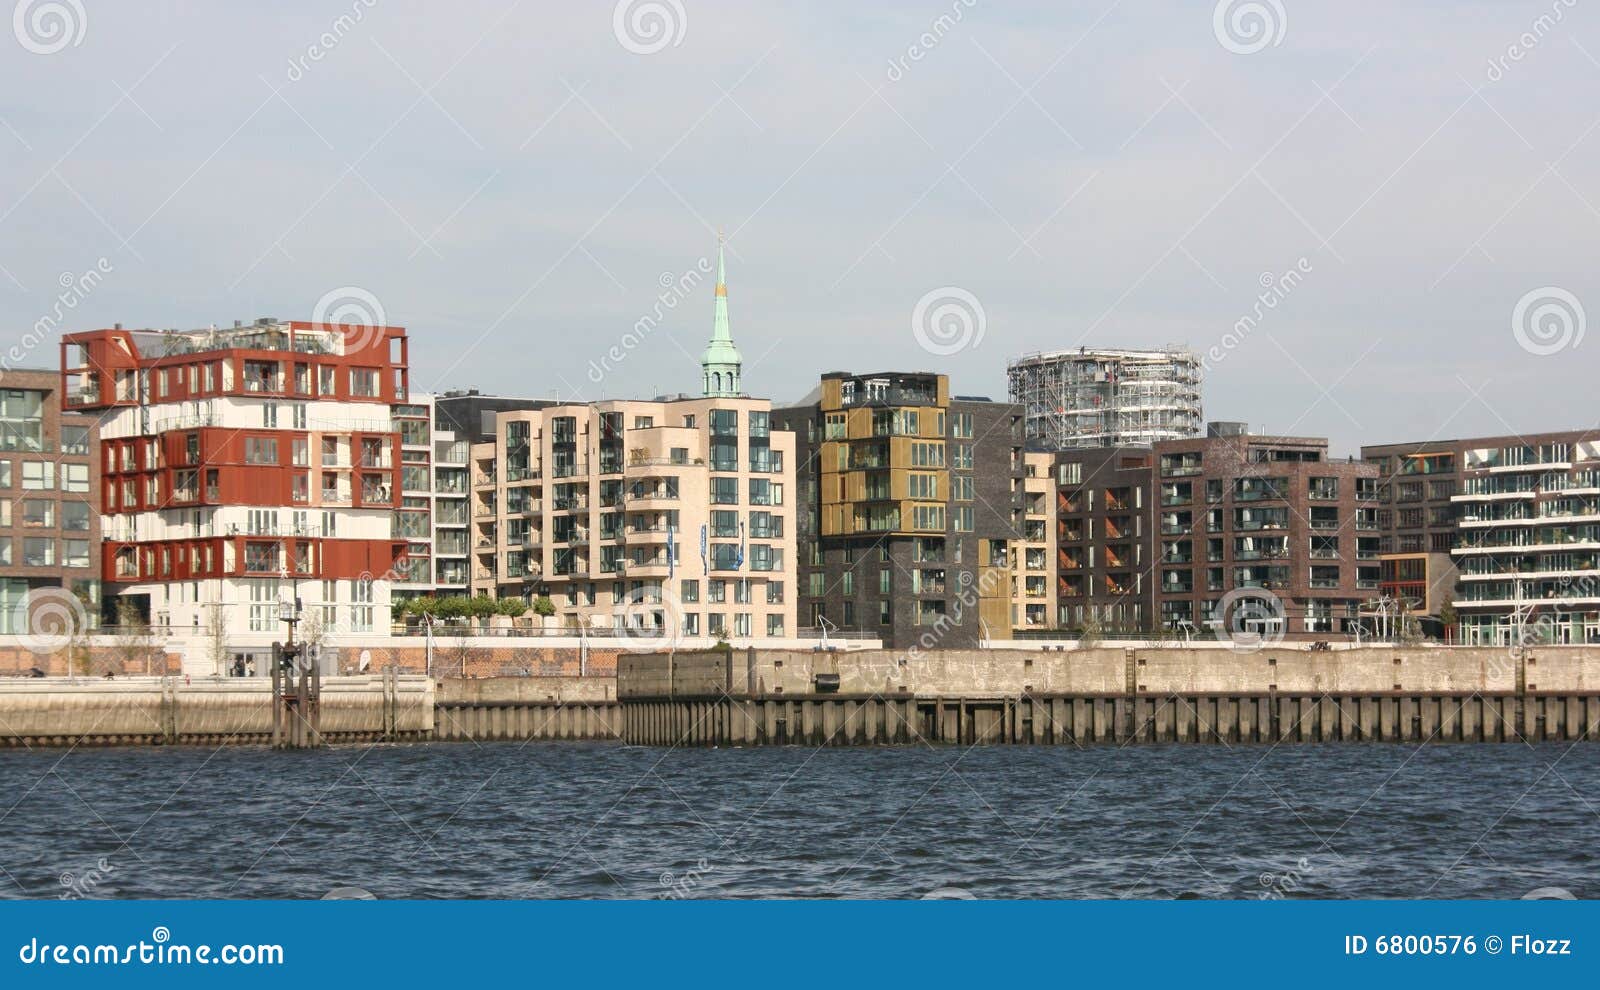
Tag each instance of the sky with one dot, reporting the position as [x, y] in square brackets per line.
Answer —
[1400, 199]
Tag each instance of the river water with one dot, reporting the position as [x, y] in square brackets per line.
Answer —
[599, 821]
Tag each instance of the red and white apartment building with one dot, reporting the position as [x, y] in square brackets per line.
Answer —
[245, 467]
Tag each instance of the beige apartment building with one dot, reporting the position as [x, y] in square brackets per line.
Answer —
[672, 517]
[1033, 552]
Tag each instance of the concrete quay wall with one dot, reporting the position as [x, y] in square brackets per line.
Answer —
[1112, 695]
[174, 710]
[1012, 673]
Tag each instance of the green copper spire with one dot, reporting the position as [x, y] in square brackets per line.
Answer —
[721, 365]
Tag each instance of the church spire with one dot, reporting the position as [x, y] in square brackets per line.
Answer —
[721, 365]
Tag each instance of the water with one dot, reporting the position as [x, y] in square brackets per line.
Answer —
[578, 820]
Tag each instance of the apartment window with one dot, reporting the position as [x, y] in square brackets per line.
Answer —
[38, 475]
[961, 488]
[75, 478]
[724, 422]
[716, 591]
[269, 415]
[961, 425]
[775, 624]
[21, 420]
[922, 486]
[927, 455]
[38, 551]
[725, 491]
[260, 450]
[816, 585]
[74, 439]
[962, 518]
[5, 550]
[77, 553]
[774, 592]
[848, 585]
[74, 516]
[741, 624]
[38, 513]
[689, 592]
[364, 383]
[724, 523]
[929, 611]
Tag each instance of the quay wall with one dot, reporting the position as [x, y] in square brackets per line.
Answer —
[1114, 695]
[50, 712]
[177, 711]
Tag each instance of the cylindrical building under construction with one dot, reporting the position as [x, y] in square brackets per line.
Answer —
[1108, 398]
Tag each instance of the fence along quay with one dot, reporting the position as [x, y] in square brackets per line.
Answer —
[876, 697]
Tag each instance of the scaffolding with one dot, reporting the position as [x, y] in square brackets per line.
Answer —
[1108, 398]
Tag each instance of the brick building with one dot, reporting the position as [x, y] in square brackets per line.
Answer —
[1242, 513]
[245, 467]
[1520, 517]
[49, 519]
[910, 500]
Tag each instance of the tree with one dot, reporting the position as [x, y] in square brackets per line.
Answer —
[314, 633]
[217, 639]
[543, 606]
[514, 608]
[135, 641]
[1447, 615]
[1089, 635]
